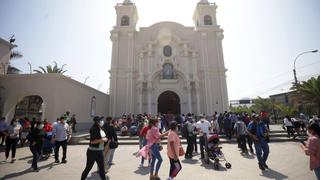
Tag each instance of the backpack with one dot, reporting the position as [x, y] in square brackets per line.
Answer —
[184, 131]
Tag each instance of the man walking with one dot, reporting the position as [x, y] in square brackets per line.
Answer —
[61, 134]
[259, 133]
[203, 127]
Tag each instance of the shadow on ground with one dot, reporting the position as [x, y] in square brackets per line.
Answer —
[29, 170]
[272, 174]
[142, 171]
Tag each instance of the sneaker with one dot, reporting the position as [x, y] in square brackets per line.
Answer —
[140, 165]
[169, 178]
[64, 161]
[13, 160]
[261, 167]
[266, 166]
[57, 161]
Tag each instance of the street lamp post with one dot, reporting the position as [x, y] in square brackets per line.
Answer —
[30, 68]
[294, 65]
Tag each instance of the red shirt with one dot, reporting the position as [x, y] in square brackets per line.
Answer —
[47, 127]
[144, 131]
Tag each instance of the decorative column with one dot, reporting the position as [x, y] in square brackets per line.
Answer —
[188, 88]
[197, 87]
[139, 91]
[149, 90]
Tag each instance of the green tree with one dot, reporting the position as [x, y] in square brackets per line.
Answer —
[309, 92]
[51, 69]
[287, 110]
[261, 104]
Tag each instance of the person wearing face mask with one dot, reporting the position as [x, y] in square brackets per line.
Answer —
[174, 150]
[312, 148]
[258, 131]
[61, 135]
[95, 150]
[153, 148]
[111, 134]
[35, 138]
[12, 132]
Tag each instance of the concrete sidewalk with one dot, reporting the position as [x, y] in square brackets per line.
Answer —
[287, 161]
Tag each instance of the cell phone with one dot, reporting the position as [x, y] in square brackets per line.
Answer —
[302, 142]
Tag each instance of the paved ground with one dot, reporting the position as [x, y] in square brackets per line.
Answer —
[286, 161]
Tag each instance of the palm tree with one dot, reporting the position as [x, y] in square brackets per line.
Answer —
[309, 92]
[51, 69]
[261, 104]
[13, 55]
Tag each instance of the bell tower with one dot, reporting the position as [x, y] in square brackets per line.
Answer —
[123, 38]
[205, 14]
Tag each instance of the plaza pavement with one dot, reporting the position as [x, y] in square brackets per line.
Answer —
[286, 161]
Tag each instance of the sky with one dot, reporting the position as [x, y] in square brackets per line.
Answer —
[261, 38]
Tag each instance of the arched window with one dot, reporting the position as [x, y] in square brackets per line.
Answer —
[167, 51]
[207, 20]
[125, 20]
[167, 71]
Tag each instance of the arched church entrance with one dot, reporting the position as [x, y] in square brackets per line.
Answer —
[29, 106]
[169, 102]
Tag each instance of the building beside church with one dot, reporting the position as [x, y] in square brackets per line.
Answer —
[167, 67]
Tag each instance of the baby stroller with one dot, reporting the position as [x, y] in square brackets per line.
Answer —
[214, 153]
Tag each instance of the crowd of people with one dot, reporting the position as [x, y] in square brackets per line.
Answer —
[250, 130]
[42, 137]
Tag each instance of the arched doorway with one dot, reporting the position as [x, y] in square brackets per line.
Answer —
[169, 101]
[29, 106]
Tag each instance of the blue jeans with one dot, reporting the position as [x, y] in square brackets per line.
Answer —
[317, 172]
[111, 156]
[155, 152]
[262, 146]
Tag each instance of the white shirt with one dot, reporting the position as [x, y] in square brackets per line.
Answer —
[287, 122]
[204, 126]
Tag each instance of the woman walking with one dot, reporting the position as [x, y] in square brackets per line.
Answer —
[12, 134]
[153, 147]
[95, 150]
[35, 138]
[312, 148]
[174, 150]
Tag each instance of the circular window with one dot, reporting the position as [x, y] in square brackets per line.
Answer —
[167, 51]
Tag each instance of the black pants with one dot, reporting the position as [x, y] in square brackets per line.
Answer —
[194, 139]
[64, 149]
[35, 150]
[242, 141]
[3, 137]
[249, 140]
[11, 144]
[189, 147]
[175, 168]
[202, 146]
[94, 156]
[228, 133]
[290, 131]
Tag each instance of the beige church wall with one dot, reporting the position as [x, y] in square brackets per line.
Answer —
[59, 93]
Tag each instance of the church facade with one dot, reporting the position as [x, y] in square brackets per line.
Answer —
[167, 67]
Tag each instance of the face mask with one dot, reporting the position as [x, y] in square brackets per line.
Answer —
[40, 126]
[101, 123]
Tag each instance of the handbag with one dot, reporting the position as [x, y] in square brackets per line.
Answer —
[113, 144]
[181, 151]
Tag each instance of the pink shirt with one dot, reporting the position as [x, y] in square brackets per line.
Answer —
[173, 137]
[313, 150]
[153, 135]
